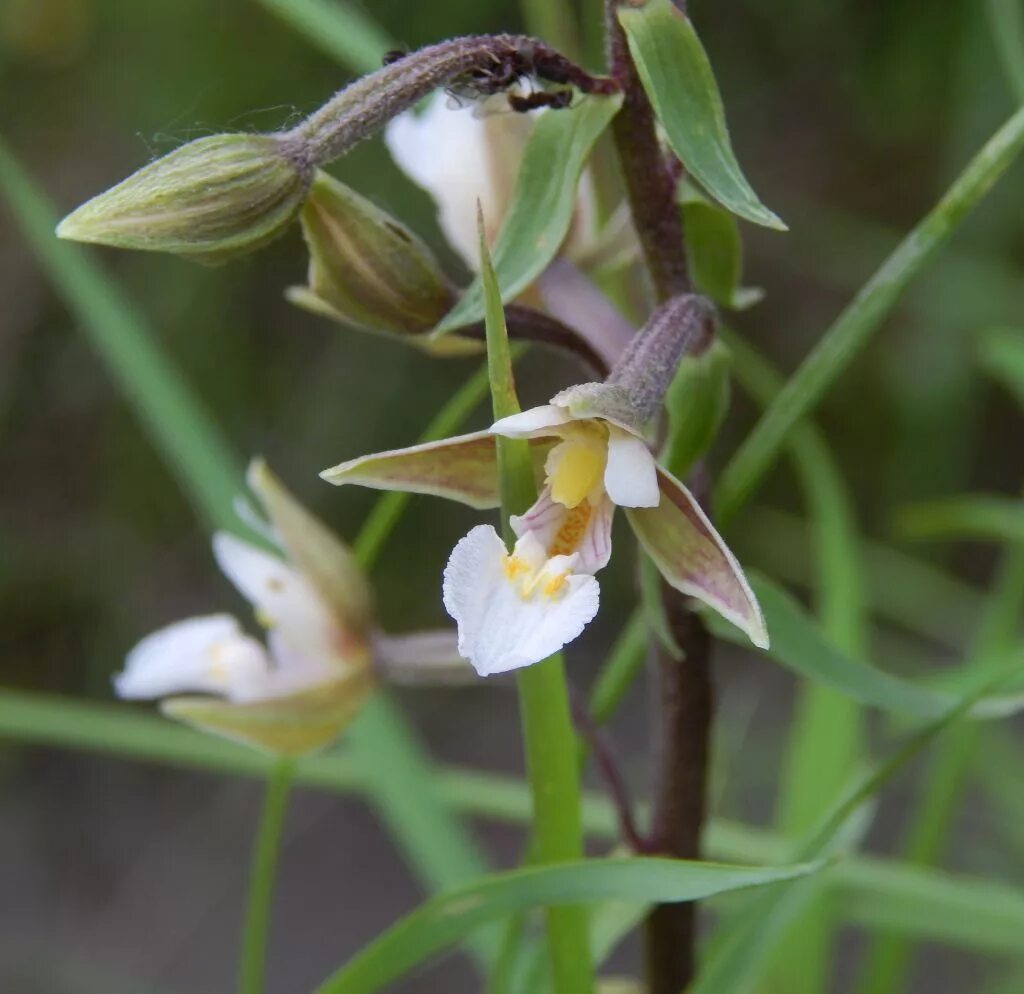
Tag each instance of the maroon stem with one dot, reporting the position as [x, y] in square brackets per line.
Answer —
[650, 186]
[685, 699]
[609, 770]
[683, 685]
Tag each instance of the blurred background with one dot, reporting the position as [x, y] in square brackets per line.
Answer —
[850, 119]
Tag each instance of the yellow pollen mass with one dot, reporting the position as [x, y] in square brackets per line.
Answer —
[577, 465]
[514, 566]
[555, 585]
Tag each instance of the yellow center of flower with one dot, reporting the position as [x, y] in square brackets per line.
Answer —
[574, 527]
[529, 581]
[575, 466]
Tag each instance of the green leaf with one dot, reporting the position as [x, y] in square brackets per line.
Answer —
[714, 250]
[976, 516]
[697, 402]
[968, 912]
[175, 419]
[1001, 353]
[337, 28]
[447, 918]
[799, 644]
[854, 327]
[403, 786]
[742, 947]
[542, 204]
[548, 736]
[677, 76]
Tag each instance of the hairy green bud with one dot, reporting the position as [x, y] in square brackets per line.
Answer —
[210, 200]
[368, 270]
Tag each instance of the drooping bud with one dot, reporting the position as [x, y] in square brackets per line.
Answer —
[210, 200]
[367, 269]
[682, 326]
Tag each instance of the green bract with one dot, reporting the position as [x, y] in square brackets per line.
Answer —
[367, 269]
[209, 200]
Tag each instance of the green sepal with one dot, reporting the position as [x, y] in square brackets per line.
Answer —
[210, 200]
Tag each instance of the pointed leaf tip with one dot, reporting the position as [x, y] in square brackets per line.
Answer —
[680, 83]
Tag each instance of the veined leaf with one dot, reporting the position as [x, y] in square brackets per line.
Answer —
[976, 516]
[677, 76]
[444, 920]
[542, 204]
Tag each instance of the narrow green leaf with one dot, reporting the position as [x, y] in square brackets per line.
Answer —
[337, 28]
[180, 427]
[826, 735]
[741, 949]
[967, 912]
[403, 788]
[714, 249]
[542, 204]
[980, 516]
[447, 918]
[548, 736]
[1006, 19]
[854, 327]
[679, 81]
[1001, 353]
[697, 402]
[799, 644]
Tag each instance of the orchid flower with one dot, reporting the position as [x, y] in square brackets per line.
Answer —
[514, 609]
[301, 688]
[462, 156]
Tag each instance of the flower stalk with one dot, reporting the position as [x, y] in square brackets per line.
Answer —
[683, 677]
[650, 182]
[481, 64]
[549, 739]
[262, 876]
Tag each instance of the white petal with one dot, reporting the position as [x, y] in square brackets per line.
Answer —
[204, 655]
[499, 629]
[631, 474]
[558, 531]
[282, 598]
[534, 421]
[444, 151]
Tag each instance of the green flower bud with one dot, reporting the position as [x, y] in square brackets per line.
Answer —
[209, 200]
[368, 270]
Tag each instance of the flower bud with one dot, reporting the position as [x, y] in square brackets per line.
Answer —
[367, 269]
[210, 200]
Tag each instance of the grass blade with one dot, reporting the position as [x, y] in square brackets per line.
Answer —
[862, 317]
[447, 918]
[338, 29]
[186, 436]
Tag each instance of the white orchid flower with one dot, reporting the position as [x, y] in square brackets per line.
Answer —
[299, 689]
[513, 609]
[462, 156]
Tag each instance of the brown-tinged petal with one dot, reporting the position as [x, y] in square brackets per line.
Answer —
[287, 726]
[327, 563]
[463, 468]
[694, 559]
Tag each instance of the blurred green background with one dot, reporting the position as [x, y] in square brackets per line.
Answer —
[850, 119]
